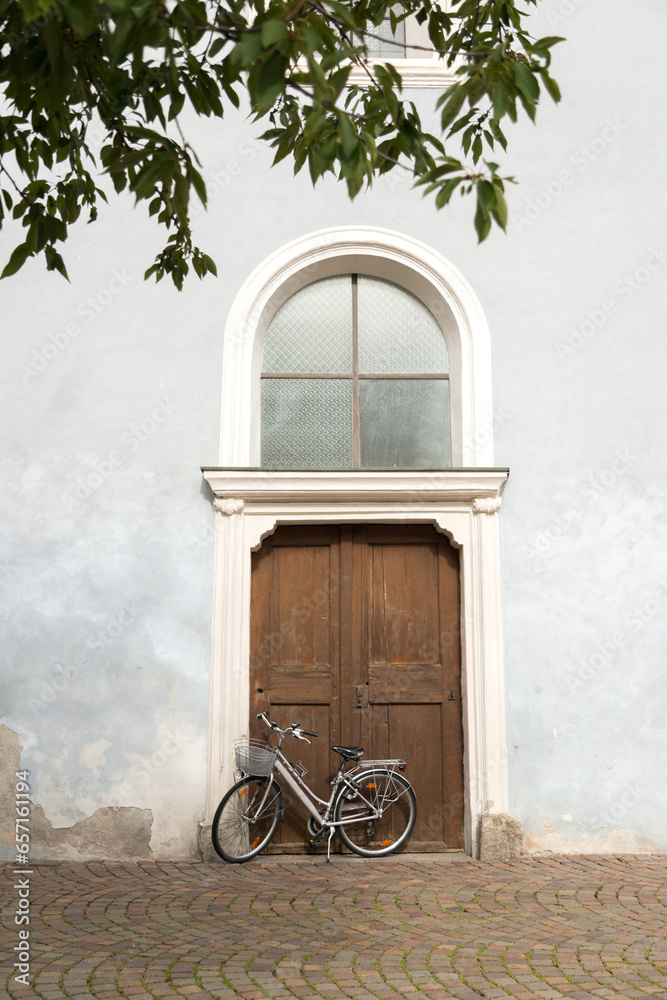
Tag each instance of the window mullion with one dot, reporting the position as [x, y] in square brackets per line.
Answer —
[356, 451]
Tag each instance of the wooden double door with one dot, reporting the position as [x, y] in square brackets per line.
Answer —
[355, 633]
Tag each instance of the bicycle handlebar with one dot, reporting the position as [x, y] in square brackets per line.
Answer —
[293, 730]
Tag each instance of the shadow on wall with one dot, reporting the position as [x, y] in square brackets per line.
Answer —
[121, 833]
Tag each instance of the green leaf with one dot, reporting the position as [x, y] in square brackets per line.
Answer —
[526, 82]
[210, 264]
[273, 32]
[17, 260]
[498, 133]
[500, 211]
[452, 108]
[548, 42]
[446, 191]
[54, 261]
[498, 98]
[551, 86]
[486, 195]
[347, 134]
[198, 184]
[482, 223]
[269, 82]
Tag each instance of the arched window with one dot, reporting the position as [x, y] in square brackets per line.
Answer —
[355, 374]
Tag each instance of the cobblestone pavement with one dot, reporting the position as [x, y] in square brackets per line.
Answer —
[412, 926]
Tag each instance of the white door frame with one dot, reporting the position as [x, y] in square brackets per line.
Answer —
[464, 505]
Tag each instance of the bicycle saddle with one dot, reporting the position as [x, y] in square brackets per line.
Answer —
[349, 753]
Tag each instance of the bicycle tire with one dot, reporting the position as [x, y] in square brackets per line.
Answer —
[237, 833]
[386, 790]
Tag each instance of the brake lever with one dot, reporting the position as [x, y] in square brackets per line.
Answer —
[297, 736]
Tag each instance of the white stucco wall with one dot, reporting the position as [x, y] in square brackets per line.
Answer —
[110, 402]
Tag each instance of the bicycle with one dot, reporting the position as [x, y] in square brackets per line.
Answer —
[372, 806]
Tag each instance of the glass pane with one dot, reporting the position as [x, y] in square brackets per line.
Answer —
[384, 44]
[312, 331]
[405, 423]
[306, 423]
[397, 333]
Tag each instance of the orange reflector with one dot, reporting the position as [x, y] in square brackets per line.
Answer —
[385, 843]
[371, 784]
[255, 842]
[242, 792]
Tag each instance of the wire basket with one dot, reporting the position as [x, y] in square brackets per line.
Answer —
[254, 756]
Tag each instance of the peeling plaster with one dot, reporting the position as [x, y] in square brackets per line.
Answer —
[111, 833]
[94, 755]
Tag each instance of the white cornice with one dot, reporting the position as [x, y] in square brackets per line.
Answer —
[422, 74]
[480, 487]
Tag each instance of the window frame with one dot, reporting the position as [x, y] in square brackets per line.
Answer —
[418, 68]
[355, 376]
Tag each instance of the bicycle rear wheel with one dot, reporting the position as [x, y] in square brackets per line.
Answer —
[246, 819]
[383, 792]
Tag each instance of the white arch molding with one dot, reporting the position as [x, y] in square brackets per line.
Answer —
[382, 254]
[462, 502]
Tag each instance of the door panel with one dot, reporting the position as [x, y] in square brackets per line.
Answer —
[355, 634]
[404, 608]
[404, 682]
[414, 735]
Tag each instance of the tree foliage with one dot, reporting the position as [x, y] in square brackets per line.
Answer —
[133, 66]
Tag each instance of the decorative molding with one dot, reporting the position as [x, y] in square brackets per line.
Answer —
[486, 505]
[408, 489]
[228, 506]
[423, 73]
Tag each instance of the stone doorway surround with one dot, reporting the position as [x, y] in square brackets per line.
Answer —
[463, 504]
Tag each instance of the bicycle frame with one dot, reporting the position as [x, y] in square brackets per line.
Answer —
[307, 796]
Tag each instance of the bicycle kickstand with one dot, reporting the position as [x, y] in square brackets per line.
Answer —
[331, 833]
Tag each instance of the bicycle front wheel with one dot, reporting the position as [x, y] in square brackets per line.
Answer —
[379, 814]
[246, 819]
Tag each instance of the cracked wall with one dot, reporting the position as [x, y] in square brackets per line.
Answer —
[111, 833]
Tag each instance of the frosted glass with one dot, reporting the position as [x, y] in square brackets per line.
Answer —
[404, 424]
[384, 45]
[397, 333]
[306, 423]
[312, 331]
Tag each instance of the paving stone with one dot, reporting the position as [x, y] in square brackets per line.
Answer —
[439, 927]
